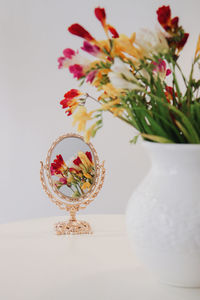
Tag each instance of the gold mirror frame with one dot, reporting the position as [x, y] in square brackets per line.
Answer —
[73, 226]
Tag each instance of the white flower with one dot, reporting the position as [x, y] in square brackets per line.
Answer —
[151, 42]
[76, 60]
[119, 71]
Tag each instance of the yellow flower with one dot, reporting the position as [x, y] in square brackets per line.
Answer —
[86, 185]
[84, 159]
[81, 117]
[97, 81]
[123, 44]
[87, 175]
[70, 179]
[110, 91]
[108, 106]
[117, 111]
[104, 44]
[89, 133]
[197, 52]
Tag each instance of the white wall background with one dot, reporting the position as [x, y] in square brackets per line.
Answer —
[33, 34]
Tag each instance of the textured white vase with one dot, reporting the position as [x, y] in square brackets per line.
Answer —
[163, 214]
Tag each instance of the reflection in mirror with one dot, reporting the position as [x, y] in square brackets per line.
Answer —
[75, 177]
[72, 167]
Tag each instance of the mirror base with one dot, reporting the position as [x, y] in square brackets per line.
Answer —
[73, 227]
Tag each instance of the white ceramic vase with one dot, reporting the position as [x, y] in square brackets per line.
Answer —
[163, 214]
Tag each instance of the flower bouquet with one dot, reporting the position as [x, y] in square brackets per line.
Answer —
[76, 176]
[138, 79]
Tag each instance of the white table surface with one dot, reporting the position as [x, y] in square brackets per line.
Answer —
[35, 264]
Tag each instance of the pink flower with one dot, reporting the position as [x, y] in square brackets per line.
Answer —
[63, 180]
[68, 54]
[91, 49]
[90, 76]
[161, 69]
[60, 62]
[76, 70]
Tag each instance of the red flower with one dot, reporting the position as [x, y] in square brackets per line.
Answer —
[78, 30]
[164, 18]
[58, 165]
[170, 93]
[174, 22]
[101, 15]
[77, 161]
[70, 101]
[113, 31]
[89, 155]
[182, 42]
[164, 15]
[73, 170]
[177, 37]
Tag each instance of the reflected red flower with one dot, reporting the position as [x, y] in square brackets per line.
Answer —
[89, 155]
[78, 30]
[58, 165]
[73, 170]
[63, 180]
[77, 161]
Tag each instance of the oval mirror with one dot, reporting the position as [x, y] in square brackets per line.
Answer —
[75, 176]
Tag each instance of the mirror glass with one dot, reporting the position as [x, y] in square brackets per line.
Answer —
[72, 167]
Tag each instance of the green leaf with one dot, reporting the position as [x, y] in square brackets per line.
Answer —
[184, 131]
[187, 124]
[155, 138]
[134, 140]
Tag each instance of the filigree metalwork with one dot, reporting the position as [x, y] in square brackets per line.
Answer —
[73, 226]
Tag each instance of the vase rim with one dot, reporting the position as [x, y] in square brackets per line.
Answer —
[171, 145]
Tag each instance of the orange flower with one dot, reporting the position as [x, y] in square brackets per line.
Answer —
[110, 91]
[124, 45]
[197, 52]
